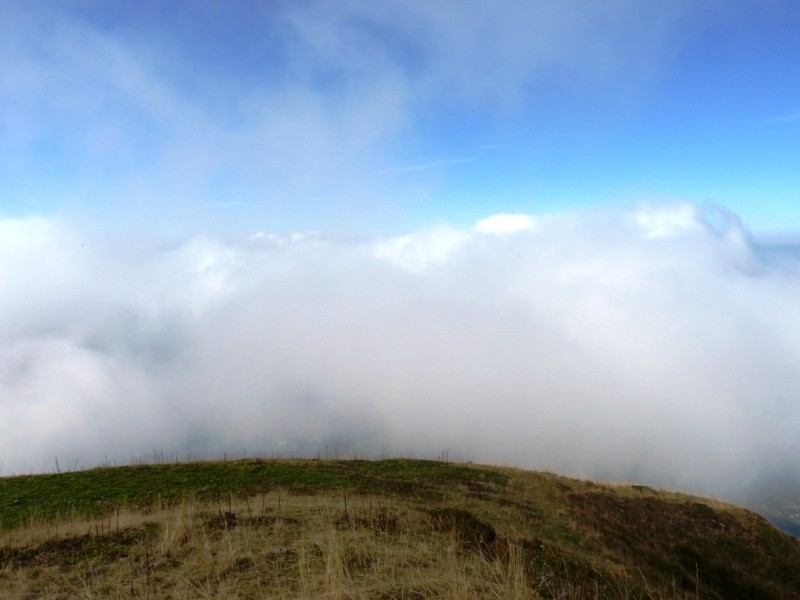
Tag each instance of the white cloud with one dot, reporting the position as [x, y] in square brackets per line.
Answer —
[418, 251]
[505, 223]
[19, 237]
[666, 222]
[585, 345]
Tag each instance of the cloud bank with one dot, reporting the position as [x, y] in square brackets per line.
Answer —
[656, 344]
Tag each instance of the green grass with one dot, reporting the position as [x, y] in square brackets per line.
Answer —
[97, 492]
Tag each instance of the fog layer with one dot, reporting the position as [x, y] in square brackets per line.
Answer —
[656, 344]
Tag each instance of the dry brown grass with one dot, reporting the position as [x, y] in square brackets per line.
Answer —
[509, 534]
[292, 547]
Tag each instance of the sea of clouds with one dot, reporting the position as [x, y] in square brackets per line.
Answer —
[657, 343]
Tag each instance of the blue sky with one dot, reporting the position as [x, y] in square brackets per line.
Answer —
[362, 117]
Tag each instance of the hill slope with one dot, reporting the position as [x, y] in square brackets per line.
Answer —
[392, 529]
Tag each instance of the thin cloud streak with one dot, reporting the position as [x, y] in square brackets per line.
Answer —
[437, 164]
[654, 344]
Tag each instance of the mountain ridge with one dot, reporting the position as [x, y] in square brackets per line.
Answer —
[544, 535]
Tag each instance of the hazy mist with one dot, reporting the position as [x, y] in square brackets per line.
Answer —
[656, 344]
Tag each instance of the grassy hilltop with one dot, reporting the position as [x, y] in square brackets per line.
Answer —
[383, 530]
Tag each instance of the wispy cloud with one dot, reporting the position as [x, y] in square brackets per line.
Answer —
[140, 113]
[437, 164]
